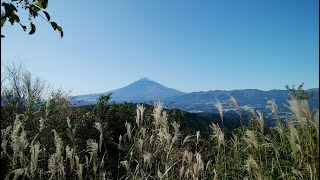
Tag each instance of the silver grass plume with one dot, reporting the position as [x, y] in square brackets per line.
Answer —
[300, 110]
[177, 134]
[208, 164]
[181, 171]
[79, 167]
[198, 166]
[218, 105]
[198, 136]
[26, 79]
[125, 164]
[250, 110]
[187, 139]
[271, 104]
[18, 141]
[5, 134]
[70, 154]
[92, 149]
[235, 142]
[232, 101]
[217, 133]
[128, 127]
[55, 162]
[261, 123]
[215, 174]
[68, 122]
[251, 139]
[41, 124]
[157, 114]
[34, 150]
[147, 157]
[316, 122]
[251, 165]
[187, 157]
[140, 145]
[279, 128]
[58, 143]
[98, 126]
[293, 137]
[140, 111]
[120, 141]
[17, 173]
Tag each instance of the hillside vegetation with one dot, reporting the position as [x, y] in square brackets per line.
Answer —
[51, 140]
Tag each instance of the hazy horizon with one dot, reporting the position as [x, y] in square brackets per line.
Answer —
[188, 46]
[192, 91]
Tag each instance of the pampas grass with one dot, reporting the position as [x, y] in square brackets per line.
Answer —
[155, 148]
[218, 105]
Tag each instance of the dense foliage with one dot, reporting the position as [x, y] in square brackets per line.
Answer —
[34, 9]
[51, 140]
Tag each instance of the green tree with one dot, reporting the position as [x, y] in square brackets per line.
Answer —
[34, 8]
[299, 93]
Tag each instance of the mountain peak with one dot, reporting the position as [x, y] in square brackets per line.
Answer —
[144, 89]
[146, 79]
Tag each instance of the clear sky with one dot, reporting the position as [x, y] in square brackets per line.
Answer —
[184, 44]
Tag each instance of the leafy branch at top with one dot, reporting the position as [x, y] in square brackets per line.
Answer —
[34, 9]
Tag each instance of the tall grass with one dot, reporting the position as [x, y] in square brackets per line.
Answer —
[155, 148]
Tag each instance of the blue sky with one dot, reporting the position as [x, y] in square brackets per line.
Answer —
[183, 44]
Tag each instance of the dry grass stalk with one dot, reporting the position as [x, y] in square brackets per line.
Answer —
[34, 151]
[19, 142]
[235, 142]
[92, 149]
[98, 126]
[250, 110]
[140, 113]
[252, 167]
[5, 134]
[300, 110]
[55, 163]
[187, 139]
[128, 127]
[217, 133]
[271, 104]
[218, 105]
[251, 139]
[294, 138]
[233, 102]
[261, 123]
[41, 124]
[198, 136]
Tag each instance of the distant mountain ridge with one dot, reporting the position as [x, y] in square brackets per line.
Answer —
[204, 101]
[145, 90]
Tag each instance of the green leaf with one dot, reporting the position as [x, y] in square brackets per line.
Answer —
[3, 19]
[9, 12]
[14, 18]
[54, 25]
[33, 28]
[34, 10]
[38, 4]
[60, 31]
[47, 15]
[59, 28]
[44, 3]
